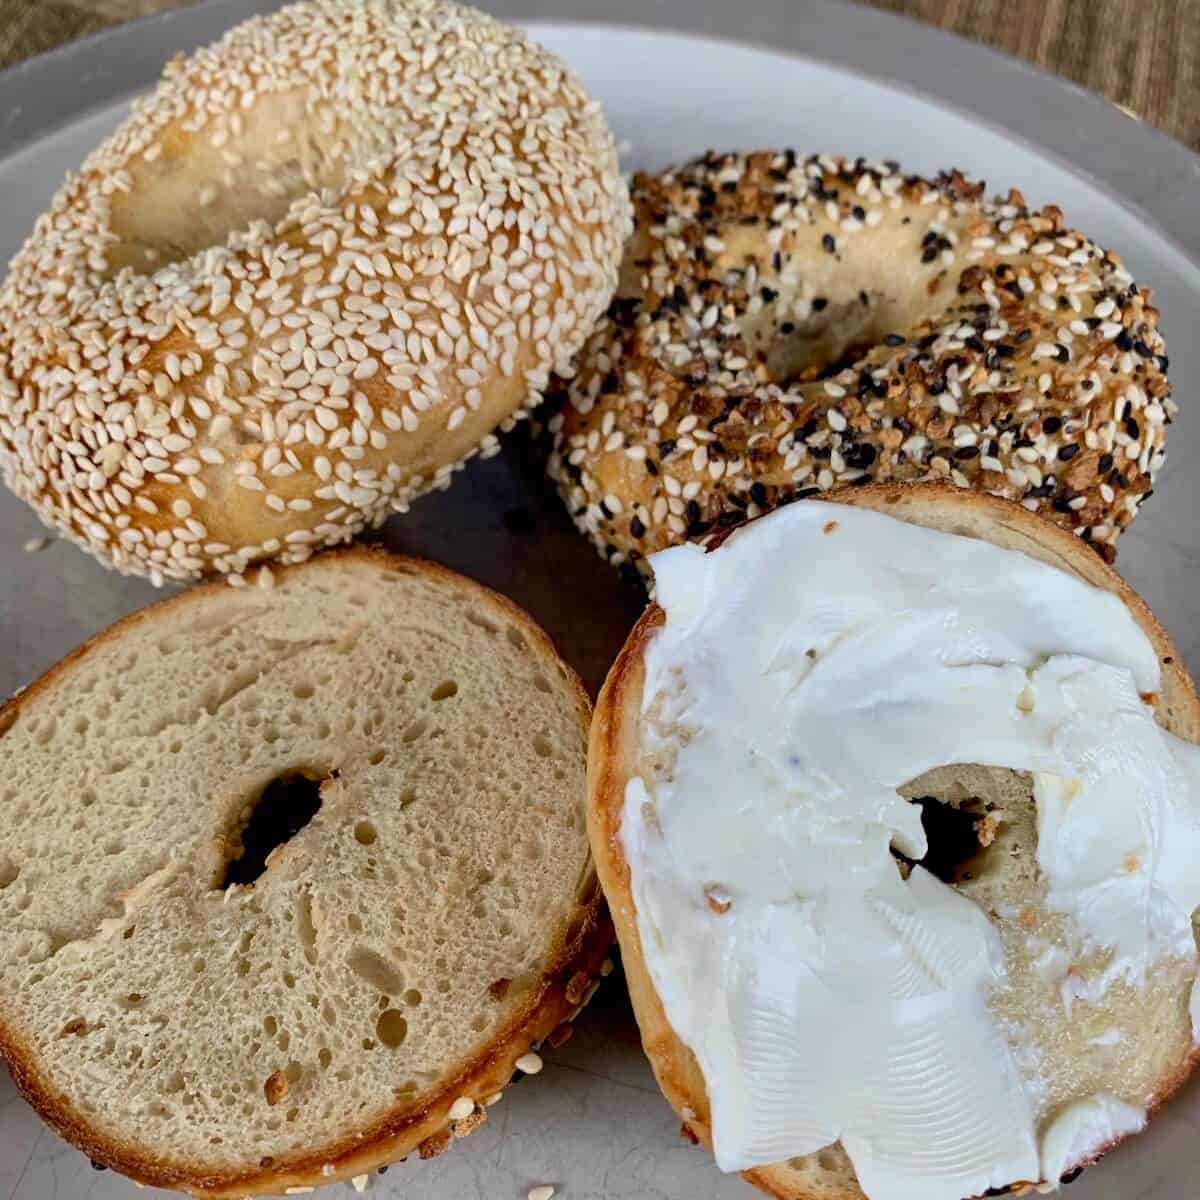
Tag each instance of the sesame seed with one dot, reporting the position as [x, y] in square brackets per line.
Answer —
[679, 379]
[530, 1063]
[197, 340]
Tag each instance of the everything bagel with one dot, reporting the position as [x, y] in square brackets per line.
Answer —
[784, 325]
[302, 283]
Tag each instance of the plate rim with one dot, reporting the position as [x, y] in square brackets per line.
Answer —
[1145, 170]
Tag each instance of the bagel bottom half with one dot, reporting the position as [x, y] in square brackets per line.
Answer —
[1154, 1026]
[292, 879]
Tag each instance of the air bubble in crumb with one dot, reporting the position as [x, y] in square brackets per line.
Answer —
[392, 1029]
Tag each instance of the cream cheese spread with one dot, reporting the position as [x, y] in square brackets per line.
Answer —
[819, 659]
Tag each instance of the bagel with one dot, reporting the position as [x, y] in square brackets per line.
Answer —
[784, 325]
[1082, 1052]
[303, 283]
[202, 1015]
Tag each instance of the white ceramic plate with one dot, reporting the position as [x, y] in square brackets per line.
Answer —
[594, 1124]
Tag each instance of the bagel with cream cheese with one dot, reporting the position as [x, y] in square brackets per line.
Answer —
[956, 1017]
[302, 283]
[292, 881]
[785, 325]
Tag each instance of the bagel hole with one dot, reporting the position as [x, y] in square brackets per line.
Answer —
[973, 818]
[253, 176]
[270, 820]
[802, 340]
[951, 835]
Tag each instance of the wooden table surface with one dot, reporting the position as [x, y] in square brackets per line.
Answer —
[1142, 54]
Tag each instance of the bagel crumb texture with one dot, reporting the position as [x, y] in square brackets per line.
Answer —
[784, 325]
[333, 1014]
[303, 283]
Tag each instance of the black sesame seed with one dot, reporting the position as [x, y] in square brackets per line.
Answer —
[787, 327]
[975, 343]
[1142, 348]
[758, 493]
[860, 213]
[1123, 340]
[768, 294]
[828, 244]
[1060, 505]
[1066, 453]
[1023, 336]
[1106, 462]
[864, 299]
[665, 448]
[1061, 352]
[859, 457]
[894, 339]
[805, 492]
[965, 452]
[1132, 427]
[820, 304]
[929, 254]
[637, 528]
[1052, 424]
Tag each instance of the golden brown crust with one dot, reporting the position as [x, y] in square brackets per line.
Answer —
[579, 956]
[243, 331]
[614, 747]
[787, 325]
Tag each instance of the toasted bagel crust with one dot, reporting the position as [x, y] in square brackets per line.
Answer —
[613, 756]
[573, 962]
[302, 283]
[786, 325]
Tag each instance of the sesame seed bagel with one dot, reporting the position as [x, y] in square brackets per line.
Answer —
[207, 993]
[784, 325]
[1133, 1043]
[303, 283]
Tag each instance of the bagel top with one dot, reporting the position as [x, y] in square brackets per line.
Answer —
[302, 282]
[1123, 1047]
[785, 324]
[200, 1019]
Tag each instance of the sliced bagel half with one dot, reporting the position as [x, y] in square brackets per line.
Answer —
[1135, 1043]
[291, 879]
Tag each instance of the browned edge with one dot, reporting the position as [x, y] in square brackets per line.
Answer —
[574, 965]
[615, 742]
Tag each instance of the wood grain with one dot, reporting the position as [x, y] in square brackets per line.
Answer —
[1144, 55]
